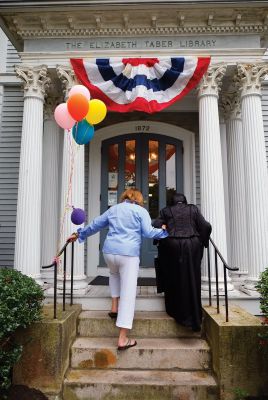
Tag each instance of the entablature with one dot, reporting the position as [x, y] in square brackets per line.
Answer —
[229, 56]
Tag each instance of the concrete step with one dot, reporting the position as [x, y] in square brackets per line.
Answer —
[173, 353]
[143, 302]
[146, 324]
[97, 384]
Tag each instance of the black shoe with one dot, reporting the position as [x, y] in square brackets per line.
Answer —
[127, 346]
[112, 315]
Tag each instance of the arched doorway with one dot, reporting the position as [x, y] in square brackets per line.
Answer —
[152, 163]
[96, 170]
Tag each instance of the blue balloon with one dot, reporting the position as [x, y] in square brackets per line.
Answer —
[83, 132]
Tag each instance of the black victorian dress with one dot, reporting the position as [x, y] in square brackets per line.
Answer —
[179, 260]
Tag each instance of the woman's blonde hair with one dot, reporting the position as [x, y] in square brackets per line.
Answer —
[133, 195]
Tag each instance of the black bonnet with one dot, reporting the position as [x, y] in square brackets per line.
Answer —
[179, 198]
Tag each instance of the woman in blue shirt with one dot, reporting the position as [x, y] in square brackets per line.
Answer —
[128, 222]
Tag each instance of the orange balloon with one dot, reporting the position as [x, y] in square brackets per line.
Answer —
[78, 106]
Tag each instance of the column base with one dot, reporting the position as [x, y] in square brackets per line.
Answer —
[232, 294]
[238, 278]
[47, 276]
[80, 285]
[252, 293]
[250, 284]
[76, 292]
[79, 282]
[205, 285]
[38, 279]
[249, 288]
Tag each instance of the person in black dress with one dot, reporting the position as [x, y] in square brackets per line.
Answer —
[179, 260]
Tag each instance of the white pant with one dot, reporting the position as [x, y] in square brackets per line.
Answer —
[123, 283]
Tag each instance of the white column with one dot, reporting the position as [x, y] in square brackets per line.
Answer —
[236, 173]
[211, 173]
[256, 182]
[72, 190]
[28, 226]
[225, 180]
[50, 187]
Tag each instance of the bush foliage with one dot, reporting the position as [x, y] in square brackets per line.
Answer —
[262, 288]
[20, 305]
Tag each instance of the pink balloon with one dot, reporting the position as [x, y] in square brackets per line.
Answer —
[81, 90]
[62, 116]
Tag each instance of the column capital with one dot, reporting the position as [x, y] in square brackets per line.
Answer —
[249, 78]
[211, 81]
[67, 78]
[35, 80]
[230, 106]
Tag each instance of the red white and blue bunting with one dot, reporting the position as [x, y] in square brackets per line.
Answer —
[140, 84]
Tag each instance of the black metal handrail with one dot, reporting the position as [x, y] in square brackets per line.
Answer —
[225, 267]
[216, 254]
[55, 265]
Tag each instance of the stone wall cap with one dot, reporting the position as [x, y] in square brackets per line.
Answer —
[237, 316]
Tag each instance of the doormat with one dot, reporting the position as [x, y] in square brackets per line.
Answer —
[104, 281]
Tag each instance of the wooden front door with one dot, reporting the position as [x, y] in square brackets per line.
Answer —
[153, 164]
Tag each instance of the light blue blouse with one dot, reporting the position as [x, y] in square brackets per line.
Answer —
[127, 223]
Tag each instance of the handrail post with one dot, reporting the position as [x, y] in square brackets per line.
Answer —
[64, 279]
[55, 289]
[72, 273]
[225, 267]
[217, 283]
[55, 265]
[209, 277]
[226, 295]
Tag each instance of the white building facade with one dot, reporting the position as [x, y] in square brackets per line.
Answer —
[212, 145]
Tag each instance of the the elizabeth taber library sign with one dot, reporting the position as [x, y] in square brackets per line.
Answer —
[144, 43]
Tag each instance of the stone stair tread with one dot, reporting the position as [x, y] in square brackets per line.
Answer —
[146, 324]
[143, 343]
[138, 315]
[139, 377]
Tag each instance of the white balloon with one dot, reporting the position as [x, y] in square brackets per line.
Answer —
[81, 89]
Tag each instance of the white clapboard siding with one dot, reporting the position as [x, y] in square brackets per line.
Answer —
[265, 115]
[10, 138]
[12, 57]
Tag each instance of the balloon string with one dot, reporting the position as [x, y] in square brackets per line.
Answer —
[68, 196]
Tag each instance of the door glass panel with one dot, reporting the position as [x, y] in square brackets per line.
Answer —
[130, 163]
[170, 172]
[153, 163]
[112, 174]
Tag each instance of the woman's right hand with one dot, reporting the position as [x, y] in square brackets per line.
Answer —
[164, 227]
[73, 237]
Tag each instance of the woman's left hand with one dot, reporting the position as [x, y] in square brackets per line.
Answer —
[164, 227]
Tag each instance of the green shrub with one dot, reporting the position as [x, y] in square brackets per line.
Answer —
[262, 288]
[240, 394]
[20, 305]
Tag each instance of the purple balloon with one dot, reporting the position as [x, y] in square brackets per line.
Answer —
[78, 216]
